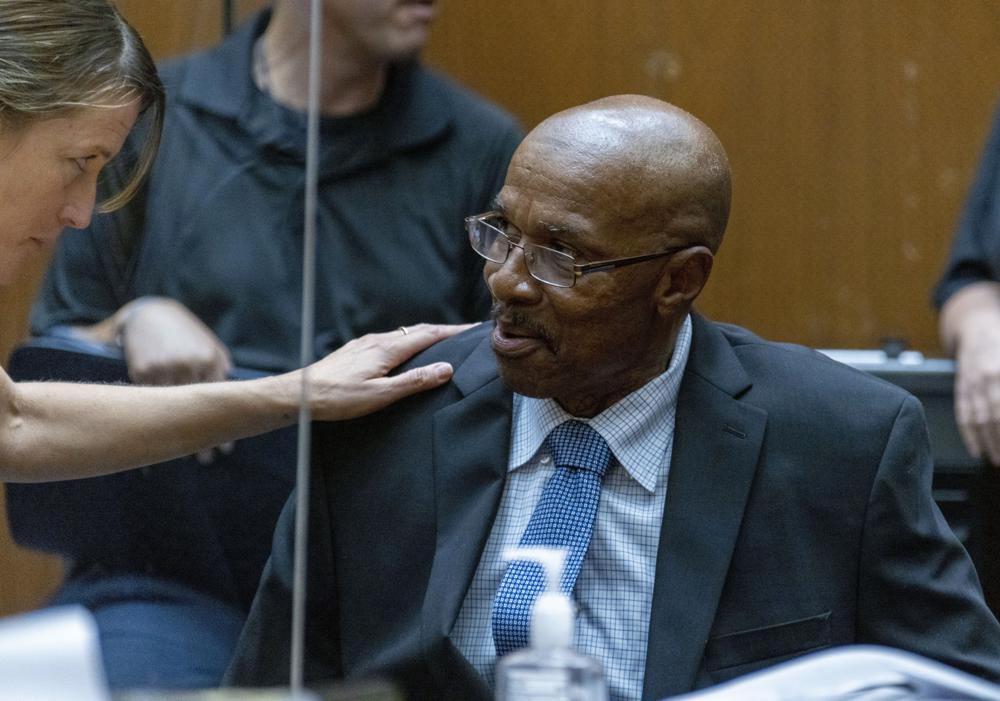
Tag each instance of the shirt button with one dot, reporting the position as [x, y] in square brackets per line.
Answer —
[546, 460]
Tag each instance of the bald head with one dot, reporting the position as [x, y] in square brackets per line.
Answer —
[610, 215]
[648, 164]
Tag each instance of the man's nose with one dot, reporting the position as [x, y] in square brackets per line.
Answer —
[510, 281]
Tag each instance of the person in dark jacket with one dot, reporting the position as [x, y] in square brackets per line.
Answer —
[202, 271]
[755, 501]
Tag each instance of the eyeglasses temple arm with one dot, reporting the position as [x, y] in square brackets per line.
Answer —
[597, 266]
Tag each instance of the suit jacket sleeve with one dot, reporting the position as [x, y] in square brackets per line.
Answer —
[263, 653]
[909, 554]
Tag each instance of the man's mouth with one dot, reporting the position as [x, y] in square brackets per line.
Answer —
[514, 335]
[513, 343]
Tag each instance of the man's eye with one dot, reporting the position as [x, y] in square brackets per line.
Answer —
[504, 226]
[562, 248]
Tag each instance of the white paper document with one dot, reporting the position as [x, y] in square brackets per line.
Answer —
[852, 673]
[51, 655]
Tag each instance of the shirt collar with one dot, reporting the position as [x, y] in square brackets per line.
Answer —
[638, 428]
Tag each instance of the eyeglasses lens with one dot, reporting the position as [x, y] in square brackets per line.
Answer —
[544, 264]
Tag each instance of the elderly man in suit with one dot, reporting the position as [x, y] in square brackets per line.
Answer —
[754, 501]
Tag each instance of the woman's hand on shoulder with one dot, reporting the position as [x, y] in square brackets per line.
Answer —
[353, 380]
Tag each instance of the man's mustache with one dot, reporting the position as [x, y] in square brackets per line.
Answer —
[516, 318]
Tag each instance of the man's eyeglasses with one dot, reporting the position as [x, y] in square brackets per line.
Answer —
[545, 264]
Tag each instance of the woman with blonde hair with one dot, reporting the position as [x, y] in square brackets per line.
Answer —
[74, 80]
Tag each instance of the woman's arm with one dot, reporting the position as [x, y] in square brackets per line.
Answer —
[57, 430]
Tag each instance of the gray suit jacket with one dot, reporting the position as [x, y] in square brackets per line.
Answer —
[798, 516]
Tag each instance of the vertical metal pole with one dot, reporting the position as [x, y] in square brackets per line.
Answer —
[308, 322]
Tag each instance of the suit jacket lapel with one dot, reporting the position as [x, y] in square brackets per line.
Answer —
[717, 440]
[471, 445]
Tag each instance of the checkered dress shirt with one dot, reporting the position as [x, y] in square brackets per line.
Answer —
[614, 591]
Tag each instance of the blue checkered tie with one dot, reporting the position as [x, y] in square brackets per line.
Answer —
[563, 518]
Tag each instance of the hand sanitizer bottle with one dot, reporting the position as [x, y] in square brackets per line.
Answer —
[549, 669]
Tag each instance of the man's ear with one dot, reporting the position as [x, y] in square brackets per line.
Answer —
[683, 279]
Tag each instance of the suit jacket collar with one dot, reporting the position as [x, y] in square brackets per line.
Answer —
[717, 441]
[471, 443]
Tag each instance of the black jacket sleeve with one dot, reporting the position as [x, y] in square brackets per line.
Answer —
[975, 250]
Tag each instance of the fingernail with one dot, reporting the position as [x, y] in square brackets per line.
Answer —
[443, 371]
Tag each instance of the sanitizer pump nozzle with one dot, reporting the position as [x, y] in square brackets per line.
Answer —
[552, 614]
[549, 668]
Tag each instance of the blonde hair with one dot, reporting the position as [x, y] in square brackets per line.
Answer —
[57, 56]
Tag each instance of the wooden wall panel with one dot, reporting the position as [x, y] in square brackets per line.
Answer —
[172, 27]
[853, 128]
